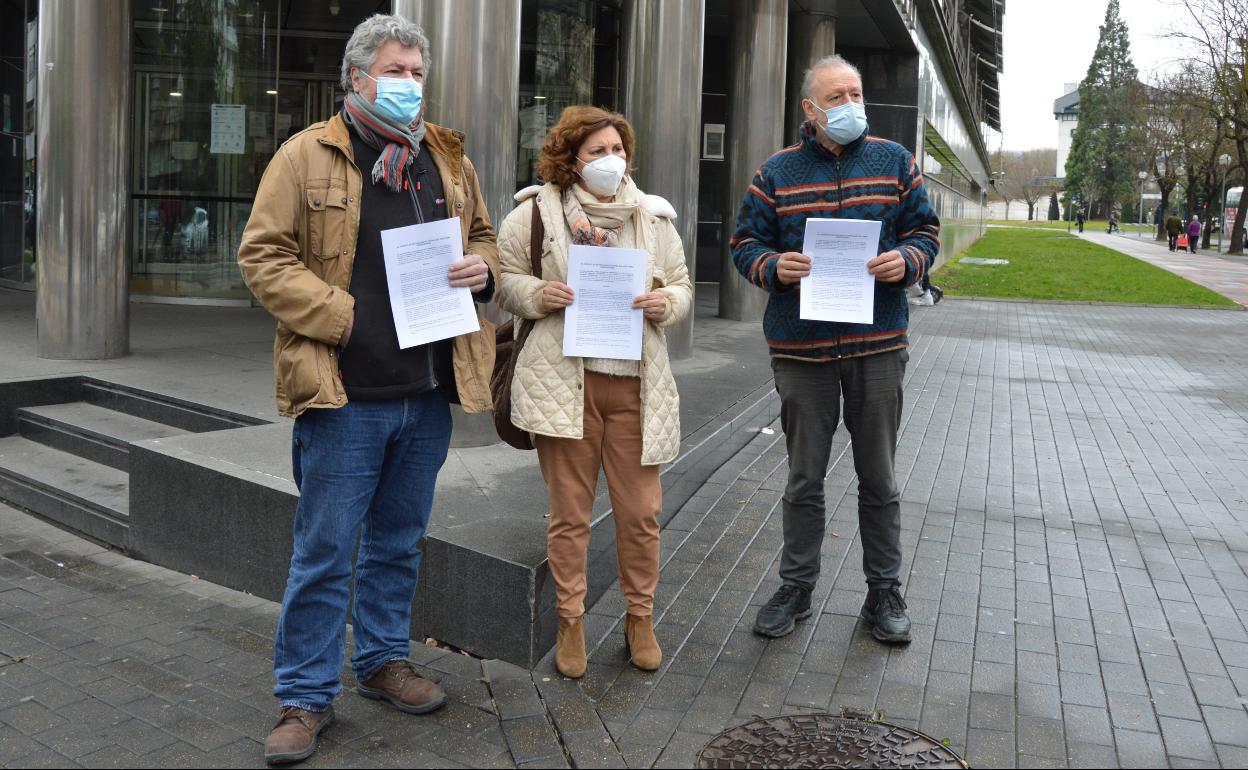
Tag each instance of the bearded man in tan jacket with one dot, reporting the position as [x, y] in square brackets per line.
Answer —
[372, 421]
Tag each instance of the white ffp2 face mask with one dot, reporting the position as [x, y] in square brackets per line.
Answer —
[603, 176]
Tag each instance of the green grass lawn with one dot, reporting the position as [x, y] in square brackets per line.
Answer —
[1051, 265]
[1092, 225]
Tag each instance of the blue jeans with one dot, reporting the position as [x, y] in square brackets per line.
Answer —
[369, 464]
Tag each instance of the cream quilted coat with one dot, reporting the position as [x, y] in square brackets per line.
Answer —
[548, 392]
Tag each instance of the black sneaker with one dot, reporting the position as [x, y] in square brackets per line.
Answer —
[885, 611]
[779, 616]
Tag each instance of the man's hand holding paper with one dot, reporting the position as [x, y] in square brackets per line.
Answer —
[470, 272]
[888, 267]
[793, 267]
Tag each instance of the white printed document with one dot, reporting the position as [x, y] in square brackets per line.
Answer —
[839, 288]
[601, 321]
[418, 260]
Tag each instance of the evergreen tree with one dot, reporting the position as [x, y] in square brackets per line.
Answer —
[1054, 213]
[1105, 148]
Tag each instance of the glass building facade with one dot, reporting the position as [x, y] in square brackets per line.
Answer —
[218, 85]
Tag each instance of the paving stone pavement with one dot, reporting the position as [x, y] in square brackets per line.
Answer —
[1076, 538]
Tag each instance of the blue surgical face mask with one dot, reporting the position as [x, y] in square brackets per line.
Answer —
[399, 98]
[845, 123]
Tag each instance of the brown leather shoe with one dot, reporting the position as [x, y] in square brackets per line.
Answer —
[293, 738]
[642, 646]
[408, 691]
[570, 648]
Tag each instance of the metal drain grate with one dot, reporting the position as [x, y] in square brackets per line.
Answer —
[824, 740]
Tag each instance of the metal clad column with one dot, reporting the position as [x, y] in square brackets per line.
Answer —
[755, 130]
[662, 98]
[474, 87]
[83, 106]
[812, 36]
[474, 84]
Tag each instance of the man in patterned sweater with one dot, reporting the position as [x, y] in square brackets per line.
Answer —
[837, 171]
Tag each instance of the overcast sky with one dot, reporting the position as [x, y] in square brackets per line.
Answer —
[1050, 42]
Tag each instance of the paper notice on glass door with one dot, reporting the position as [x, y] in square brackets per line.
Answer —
[418, 262]
[601, 321]
[839, 288]
[229, 129]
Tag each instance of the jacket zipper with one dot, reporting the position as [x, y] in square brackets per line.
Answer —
[420, 219]
[840, 214]
[411, 191]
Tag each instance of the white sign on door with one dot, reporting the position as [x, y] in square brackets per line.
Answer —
[229, 129]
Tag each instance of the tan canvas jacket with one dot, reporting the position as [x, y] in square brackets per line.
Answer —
[299, 247]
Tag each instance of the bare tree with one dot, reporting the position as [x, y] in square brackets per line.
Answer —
[1217, 33]
[1163, 145]
[1035, 186]
[1006, 183]
[1023, 179]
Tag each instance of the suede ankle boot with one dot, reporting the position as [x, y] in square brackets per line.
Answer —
[570, 648]
[642, 646]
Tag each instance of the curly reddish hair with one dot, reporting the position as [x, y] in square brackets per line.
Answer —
[557, 161]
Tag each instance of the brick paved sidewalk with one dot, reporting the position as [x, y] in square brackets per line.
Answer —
[1076, 533]
[1076, 539]
[110, 662]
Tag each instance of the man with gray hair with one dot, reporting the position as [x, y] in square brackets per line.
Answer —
[372, 420]
[838, 171]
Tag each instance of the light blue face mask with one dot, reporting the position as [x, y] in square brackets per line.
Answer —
[845, 123]
[398, 98]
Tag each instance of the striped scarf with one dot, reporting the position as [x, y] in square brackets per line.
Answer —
[399, 144]
[601, 224]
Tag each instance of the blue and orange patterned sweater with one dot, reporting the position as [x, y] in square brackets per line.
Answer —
[872, 179]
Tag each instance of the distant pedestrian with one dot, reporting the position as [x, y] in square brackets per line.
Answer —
[1079, 217]
[835, 171]
[1174, 228]
[1113, 225]
[1193, 234]
[925, 293]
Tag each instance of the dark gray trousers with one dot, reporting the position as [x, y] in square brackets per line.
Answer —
[810, 406]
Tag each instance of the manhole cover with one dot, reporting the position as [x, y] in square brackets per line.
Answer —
[983, 261]
[823, 740]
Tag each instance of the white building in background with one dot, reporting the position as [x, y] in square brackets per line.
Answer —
[1017, 210]
[1066, 112]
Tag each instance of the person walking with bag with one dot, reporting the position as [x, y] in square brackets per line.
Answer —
[588, 414]
[1174, 227]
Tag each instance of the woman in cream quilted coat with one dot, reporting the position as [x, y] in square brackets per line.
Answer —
[587, 414]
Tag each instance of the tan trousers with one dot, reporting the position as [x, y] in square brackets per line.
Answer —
[612, 440]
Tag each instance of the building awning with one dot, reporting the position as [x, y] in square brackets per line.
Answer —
[984, 33]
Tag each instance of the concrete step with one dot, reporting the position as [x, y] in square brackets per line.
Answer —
[190, 417]
[69, 490]
[90, 431]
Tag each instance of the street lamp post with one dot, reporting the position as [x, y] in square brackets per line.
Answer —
[1224, 161]
[1139, 229]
